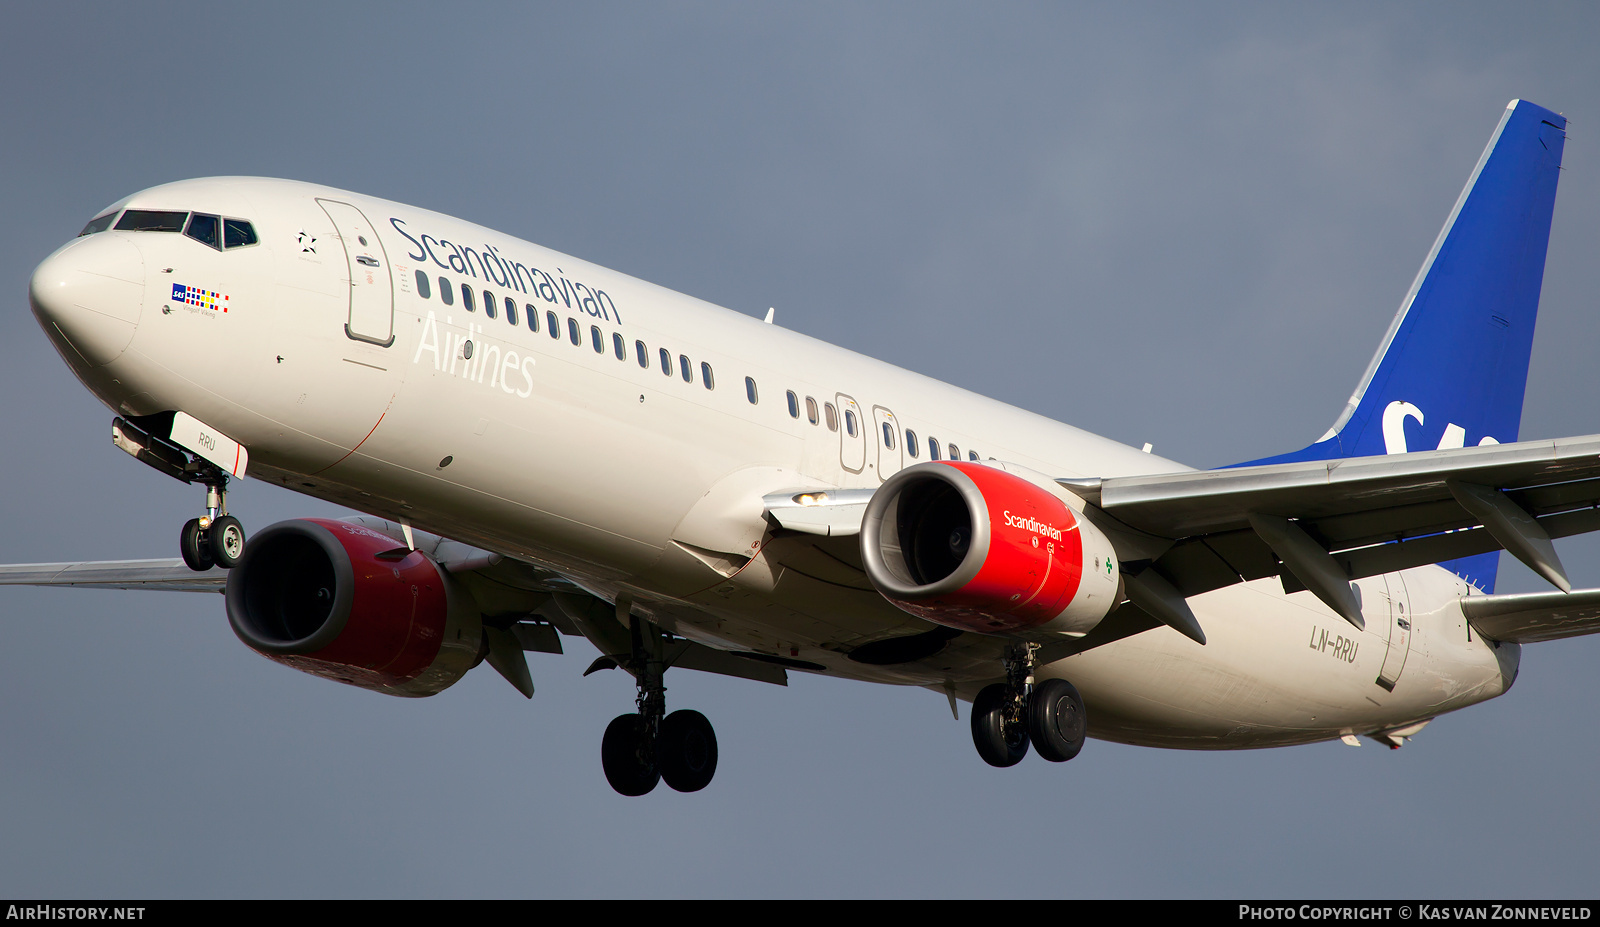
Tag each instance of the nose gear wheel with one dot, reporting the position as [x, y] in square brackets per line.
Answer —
[195, 546]
[225, 537]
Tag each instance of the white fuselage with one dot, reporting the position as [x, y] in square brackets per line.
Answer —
[636, 480]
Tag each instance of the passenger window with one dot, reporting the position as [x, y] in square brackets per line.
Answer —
[488, 304]
[972, 455]
[533, 316]
[850, 423]
[933, 448]
[424, 289]
[554, 325]
[888, 436]
[618, 346]
[204, 229]
[955, 452]
[238, 233]
[794, 405]
[573, 334]
[750, 390]
[597, 339]
[151, 220]
[466, 298]
[666, 362]
[831, 416]
[643, 353]
[98, 224]
[811, 410]
[912, 447]
[706, 376]
[683, 364]
[511, 310]
[447, 294]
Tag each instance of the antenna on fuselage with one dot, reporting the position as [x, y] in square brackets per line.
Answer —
[770, 313]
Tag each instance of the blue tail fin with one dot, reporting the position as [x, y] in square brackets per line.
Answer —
[1453, 366]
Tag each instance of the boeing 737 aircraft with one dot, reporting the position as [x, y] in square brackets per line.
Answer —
[547, 449]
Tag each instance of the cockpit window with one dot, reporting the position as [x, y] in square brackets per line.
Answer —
[98, 224]
[204, 229]
[151, 220]
[237, 233]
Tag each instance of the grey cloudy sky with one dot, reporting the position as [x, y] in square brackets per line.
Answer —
[1185, 224]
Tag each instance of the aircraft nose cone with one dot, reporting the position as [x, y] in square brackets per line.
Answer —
[88, 296]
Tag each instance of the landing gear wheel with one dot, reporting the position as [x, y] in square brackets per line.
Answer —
[628, 757]
[1000, 742]
[686, 751]
[225, 538]
[1057, 724]
[195, 546]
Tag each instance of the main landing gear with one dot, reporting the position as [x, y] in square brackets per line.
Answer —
[1007, 716]
[649, 746]
[215, 538]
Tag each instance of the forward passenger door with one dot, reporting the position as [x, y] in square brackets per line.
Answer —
[371, 289]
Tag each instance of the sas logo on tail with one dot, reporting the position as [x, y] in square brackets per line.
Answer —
[1394, 430]
[208, 299]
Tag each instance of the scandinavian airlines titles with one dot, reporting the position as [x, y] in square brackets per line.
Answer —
[488, 263]
[453, 353]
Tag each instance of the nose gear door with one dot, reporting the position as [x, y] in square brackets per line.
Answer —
[371, 289]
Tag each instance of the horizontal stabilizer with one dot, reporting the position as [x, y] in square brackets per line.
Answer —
[1527, 618]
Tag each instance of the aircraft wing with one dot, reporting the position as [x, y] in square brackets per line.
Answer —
[1315, 524]
[169, 575]
[514, 592]
[1318, 524]
[1536, 616]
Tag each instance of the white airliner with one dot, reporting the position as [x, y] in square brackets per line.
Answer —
[545, 447]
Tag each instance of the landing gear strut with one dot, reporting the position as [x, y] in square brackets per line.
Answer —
[1007, 716]
[216, 538]
[643, 748]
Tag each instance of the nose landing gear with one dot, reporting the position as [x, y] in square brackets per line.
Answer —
[1008, 716]
[214, 539]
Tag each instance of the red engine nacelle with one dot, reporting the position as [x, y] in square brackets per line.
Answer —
[970, 546]
[311, 593]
